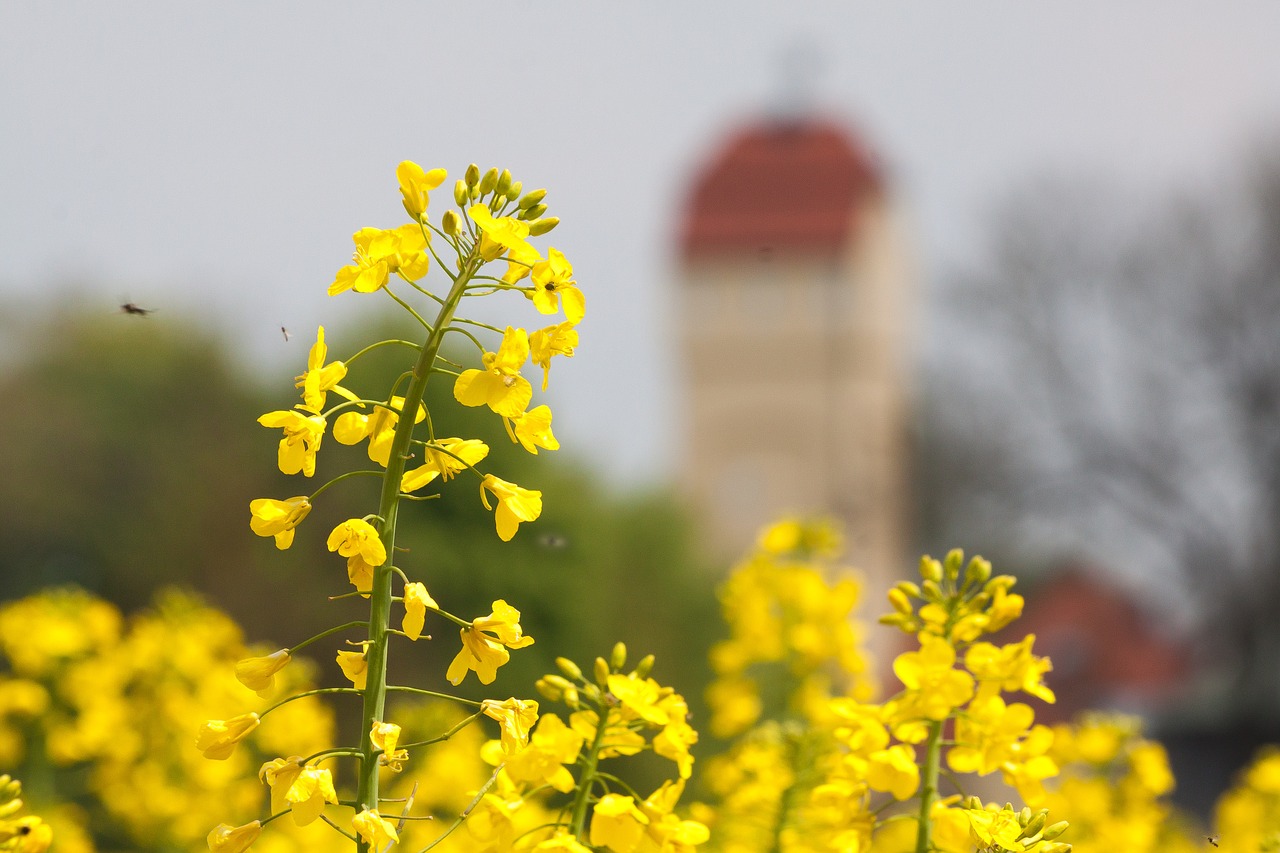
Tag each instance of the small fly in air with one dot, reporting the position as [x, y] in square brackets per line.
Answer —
[284, 332]
[553, 541]
[1212, 839]
[131, 308]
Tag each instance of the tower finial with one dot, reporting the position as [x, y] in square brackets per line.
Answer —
[799, 64]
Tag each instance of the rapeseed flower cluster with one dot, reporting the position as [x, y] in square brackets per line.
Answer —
[493, 223]
[20, 833]
[99, 709]
[1115, 784]
[836, 774]
[1247, 817]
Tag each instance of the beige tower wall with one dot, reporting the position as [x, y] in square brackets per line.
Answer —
[795, 391]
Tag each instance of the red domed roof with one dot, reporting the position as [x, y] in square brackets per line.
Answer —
[791, 186]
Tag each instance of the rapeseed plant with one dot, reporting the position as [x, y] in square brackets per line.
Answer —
[493, 224]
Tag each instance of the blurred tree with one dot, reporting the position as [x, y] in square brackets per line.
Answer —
[123, 454]
[1107, 387]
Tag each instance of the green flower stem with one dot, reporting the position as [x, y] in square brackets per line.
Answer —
[338, 479]
[419, 691]
[484, 789]
[587, 781]
[371, 347]
[357, 624]
[375, 693]
[305, 694]
[441, 738]
[929, 786]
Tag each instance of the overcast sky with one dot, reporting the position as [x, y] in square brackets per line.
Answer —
[216, 157]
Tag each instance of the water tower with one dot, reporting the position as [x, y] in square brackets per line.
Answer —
[792, 306]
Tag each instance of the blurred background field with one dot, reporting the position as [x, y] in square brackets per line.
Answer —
[998, 277]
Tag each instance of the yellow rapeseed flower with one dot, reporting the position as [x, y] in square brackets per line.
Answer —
[321, 378]
[500, 233]
[460, 454]
[376, 831]
[386, 737]
[616, 823]
[271, 517]
[355, 666]
[532, 430]
[559, 339]
[542, 760]
[356, 537]
[302, 789]
[303, 431]
[500, 385]
[379, 254]
[258, 674]
[553, 281]
[514, 505]
[379, 427]
[415, 184]
[894, 771]
[485, 642]
[218, 738]
[515, 718]
[416, 602]
[561, 842]
[226, 838]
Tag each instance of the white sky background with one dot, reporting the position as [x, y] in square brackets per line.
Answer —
[214, 159]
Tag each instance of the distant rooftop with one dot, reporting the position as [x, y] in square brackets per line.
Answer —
[791, 186]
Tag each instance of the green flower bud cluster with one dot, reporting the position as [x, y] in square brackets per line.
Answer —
[958, 601]
[499, 190]
[1036, 833]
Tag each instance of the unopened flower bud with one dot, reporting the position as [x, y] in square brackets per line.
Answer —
[532, 213]
[931, 591]
[909, 589]
[972, 802]
[1005, 582]
[900, 602]
[473, 175]
[979, 571]
[570, 698]
[489, 181]
[532, 198]
[951, 565]
[618, 659]
[461, 194]
[513, 192]
[504, 182]
[569, 668]
[643, 668]
[1053, 830]
[542, 226]
[602, 671]
[450, 223]
[1053, 847]
[930, 569]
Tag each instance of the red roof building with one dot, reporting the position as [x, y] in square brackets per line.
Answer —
[787, 186]
[793, 298]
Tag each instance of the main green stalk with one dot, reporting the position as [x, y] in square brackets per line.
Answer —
[587, 780]
[375, 693]
[929, 786]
